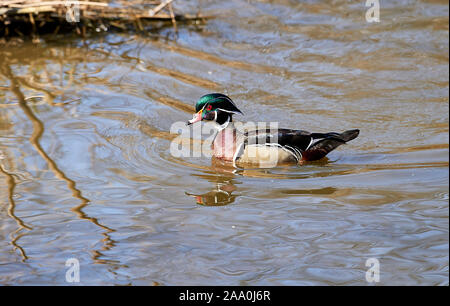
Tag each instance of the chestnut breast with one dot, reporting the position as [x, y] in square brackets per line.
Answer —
[224, 145]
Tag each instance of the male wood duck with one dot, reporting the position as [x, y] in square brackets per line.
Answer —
[265, 147]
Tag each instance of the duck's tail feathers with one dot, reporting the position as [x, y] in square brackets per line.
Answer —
[325, 143]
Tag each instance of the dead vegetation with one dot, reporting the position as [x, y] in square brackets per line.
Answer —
[30, 18]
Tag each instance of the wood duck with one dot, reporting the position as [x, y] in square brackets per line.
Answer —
[265, 147]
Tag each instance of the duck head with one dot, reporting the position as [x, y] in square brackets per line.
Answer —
[215, 107]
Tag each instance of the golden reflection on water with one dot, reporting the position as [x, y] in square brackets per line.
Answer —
[38, 131]
[15, 236]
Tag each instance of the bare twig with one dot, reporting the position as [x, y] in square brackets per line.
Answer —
[155, 10]
[58, 3]
[172, 16]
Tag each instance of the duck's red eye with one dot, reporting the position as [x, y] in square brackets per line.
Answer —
[209, 107]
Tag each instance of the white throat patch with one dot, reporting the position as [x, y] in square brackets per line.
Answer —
[220, 127]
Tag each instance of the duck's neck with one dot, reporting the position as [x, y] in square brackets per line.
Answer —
[222, 120]
[224, 144]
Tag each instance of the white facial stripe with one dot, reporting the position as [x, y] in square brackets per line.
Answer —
[227, 111]
[226, 98]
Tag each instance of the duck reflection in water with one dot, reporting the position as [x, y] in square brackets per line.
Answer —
[222, 176]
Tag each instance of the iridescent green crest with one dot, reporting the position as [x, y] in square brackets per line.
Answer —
[216, 100]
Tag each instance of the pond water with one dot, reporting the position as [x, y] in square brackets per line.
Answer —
[86, 169]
